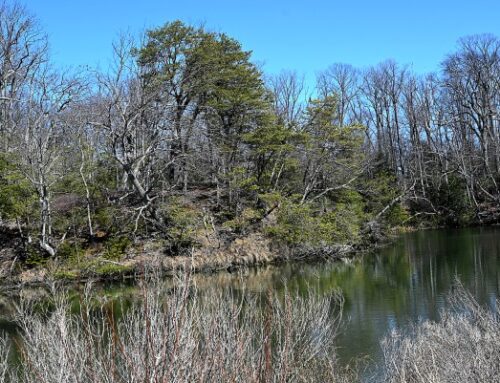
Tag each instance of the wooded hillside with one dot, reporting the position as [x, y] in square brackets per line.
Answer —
[183, 134]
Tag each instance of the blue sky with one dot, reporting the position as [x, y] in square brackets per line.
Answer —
[306, 36]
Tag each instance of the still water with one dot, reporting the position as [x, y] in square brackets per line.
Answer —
[406, 282]
[395, 286]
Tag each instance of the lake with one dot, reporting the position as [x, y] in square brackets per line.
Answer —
[395, 286]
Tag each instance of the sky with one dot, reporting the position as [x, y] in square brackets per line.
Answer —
[298, 35]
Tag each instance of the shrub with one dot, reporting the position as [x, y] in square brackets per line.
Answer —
[70, 251]
[111, 269]
[181, 336]
[66, 275]
[461, 348]
[295, 223]
[397, 215]
[182, 226]
[243, 220]
[115, 247]
[336, 220]
[34, 256]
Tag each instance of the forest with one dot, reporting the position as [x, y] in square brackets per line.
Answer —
[183, 142]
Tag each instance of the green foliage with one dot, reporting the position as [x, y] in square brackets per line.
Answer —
[451, 199]
[116, 247]
[322, 128]
[111, 270]
[380, 189]
[17, 196]
[272, 145]
[331, 222]
[344, 222]
[242, 221]
[239, 179]
[107, 219]
[166, 52]
[70, 251]
[397, 215]
[296, 223]
[104, 176]
[34, 257]
[210, 67]
[183, 226]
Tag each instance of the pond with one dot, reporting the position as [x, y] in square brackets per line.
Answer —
[395, 286]
[406, 282]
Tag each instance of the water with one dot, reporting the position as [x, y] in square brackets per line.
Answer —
[405, 283]
[400, 284]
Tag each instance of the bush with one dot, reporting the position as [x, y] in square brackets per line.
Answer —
[70, 251]
[462, 348]
[241, 222]
[116, 247]
[451, 199]
[66, 275]
[295, 223]
[337, 220]
[182, 226]
[34, 256]
[111, 270]
[397, 215]
[17, 195]
[106, 219]
[181, 335]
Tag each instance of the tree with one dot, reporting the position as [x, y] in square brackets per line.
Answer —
[23, 50]
[332, 156]
[39, 138]
[215, 94]
[471, 78]
[131, 118]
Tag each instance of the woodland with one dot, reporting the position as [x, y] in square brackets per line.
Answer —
[182, 141]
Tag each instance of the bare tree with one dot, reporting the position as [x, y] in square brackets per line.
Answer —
[471, 77]
[23, 49]
[127, 112]
[289, 93]
[343, 81]
[39, 138]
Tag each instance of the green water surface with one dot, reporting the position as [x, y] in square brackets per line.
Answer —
[395, 286]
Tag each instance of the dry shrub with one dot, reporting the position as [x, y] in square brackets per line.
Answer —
[464, 346]
[183, 335]
[5, 369]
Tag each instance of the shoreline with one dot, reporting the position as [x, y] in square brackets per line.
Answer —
[251, 251]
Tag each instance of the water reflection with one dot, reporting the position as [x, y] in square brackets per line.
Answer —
[406, 282]
[400, 284]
